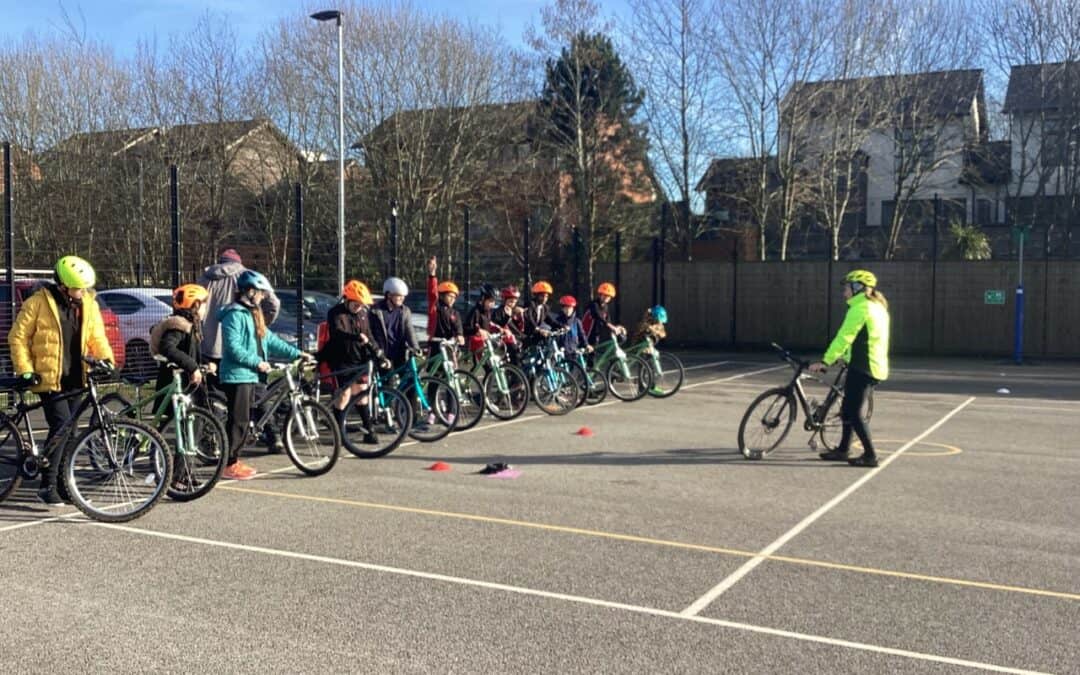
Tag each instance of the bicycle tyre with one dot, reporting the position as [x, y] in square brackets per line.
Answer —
[773, 418]
[12, 454]
[133, 442]
[670, 380]
[636, 385]
[442, 417]
[201, 470]
[577, 371]
[512, 404]
[598, 387]
[316, 455]
[392, 421]
[833, 426]
[118, 404]
[470, 400]
[555, 391]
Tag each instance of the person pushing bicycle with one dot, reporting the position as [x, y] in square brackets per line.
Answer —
[391, 322]
[178, 337]
[55, 328]
[863, 342]
[510, 317]
[573, 340]
[479, 325]
[597, 320]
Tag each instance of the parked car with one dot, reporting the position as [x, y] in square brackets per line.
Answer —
[138, 309]
[316, 303]
[24, 288]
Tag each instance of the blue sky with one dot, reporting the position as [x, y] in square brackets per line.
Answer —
[120, 23]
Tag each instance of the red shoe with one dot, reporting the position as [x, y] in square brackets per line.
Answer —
[238, 471]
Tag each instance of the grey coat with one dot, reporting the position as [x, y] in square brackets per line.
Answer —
[220, 280]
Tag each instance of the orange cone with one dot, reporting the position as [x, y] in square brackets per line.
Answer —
[585, 431]
[439, 466]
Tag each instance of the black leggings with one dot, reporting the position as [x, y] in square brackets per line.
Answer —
[239, 397]
[856, 388]
[57, 411]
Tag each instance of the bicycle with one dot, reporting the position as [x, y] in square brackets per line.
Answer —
[667, 369]
[435, 405]
[628, 376]
[779, 412]
[470, 393]
[114, 470]
[556, 389]
[311, 434]
[506, 389]
[596, 385]
[390, 413]
[196, 435]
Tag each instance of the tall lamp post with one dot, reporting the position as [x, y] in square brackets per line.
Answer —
[335, 15]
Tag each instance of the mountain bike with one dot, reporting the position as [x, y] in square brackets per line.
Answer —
[196, 435]
[506, 389]
[311, 434]
[470, 393]
[435, 405]
[390, 412]
[556, 389]
[667, 370]
[628, 376]
[114, 470]
[770, 416]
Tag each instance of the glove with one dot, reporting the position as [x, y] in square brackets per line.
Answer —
[27, 376]
[384, 364]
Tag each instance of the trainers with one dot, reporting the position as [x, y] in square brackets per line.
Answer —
[371, 439]
[864, 460]
[50, 496]
[238, 471]
[431, 419]
[834, 456]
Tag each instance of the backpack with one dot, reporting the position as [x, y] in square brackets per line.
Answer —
[328, 382]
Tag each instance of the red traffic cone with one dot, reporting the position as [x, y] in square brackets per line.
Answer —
[439, 466]
[585, 431]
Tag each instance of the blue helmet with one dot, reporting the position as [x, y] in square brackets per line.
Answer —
[659, 313]
[251, 279]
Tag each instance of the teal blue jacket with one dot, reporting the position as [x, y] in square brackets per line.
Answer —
[240, 348]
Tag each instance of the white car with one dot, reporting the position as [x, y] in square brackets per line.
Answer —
[138, 310]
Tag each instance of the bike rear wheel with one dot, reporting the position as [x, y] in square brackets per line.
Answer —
[597, 387]
[470, 393]
[832, 428]
[391, 420]
[766, 423]
[438, 417]
[555, 391]
[577, 371]
[629, 380]
[117, 470]
[312, 438]
[11, 458]
[198, 467]
[668, 374]
[506, 405]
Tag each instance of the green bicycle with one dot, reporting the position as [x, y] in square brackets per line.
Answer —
[667, 370]
[195, 435]
[435, 405]
[470, 392]
[628, 376]
[506, 389]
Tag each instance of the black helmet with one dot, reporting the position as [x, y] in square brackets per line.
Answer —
[488, 292]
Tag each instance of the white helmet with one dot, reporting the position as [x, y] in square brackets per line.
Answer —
[396, 286]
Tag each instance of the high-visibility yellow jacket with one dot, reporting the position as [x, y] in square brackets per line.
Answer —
[37, 343]
[863, 338]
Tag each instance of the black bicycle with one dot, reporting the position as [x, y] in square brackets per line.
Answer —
[769, 418]
[113, 470]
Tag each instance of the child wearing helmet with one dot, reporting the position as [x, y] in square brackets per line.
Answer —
[478, 322]
[391, 322]
[651, 326]
[444, 322]
[510, 318]
[351, 344]
[537, 314]
[178, 337]
[862, 341]
[573, 340]
[597, 319]
[56, 326]
[220, 280]
[247, 344]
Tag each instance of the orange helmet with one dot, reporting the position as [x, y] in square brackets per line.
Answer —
[187, 295]
[542, 287]
[606, 288]
[357, 291]
[449, 287]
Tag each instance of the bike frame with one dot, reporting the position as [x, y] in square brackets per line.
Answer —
[409, 375]
[812, 423]
[285, 387]
[610, 351]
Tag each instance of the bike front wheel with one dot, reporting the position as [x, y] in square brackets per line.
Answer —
[508, 399]
[832, 427]
[668, 374]
[312, 438]
[470, 393]
[11, 458]
[117, 470]
[556, 391]
[435, 420]
[391, 418]
[766, 423]
[629, 379]
[200, 459]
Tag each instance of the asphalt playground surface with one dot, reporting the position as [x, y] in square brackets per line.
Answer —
[651, 546]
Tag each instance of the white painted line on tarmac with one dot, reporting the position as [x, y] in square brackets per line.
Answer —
[578, 599]
[706, 365]
[732, 378]
[747, 567]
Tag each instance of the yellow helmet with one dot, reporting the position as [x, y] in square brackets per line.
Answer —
[861, 277]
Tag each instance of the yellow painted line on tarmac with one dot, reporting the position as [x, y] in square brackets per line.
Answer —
[946, 450]
[807, 562]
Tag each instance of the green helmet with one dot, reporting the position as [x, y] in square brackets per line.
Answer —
[861, 277]
[74, 272]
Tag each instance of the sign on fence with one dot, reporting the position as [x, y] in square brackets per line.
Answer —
[994, 298]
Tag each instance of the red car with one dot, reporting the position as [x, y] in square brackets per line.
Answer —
[24, 288]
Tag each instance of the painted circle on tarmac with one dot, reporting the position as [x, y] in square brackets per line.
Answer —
[936, 449]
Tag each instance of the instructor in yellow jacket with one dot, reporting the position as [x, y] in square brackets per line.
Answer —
[55, 328]
[863, 342]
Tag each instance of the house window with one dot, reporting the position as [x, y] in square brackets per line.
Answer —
[1056, 142]
[914, 151]
[888, 208]
[984, 210]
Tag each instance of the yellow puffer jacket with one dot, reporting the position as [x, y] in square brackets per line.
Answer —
[36, 341]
